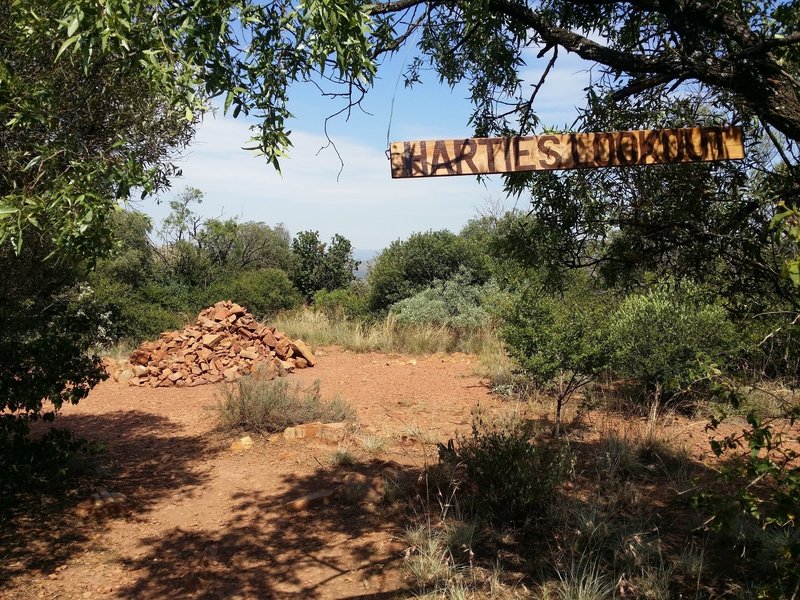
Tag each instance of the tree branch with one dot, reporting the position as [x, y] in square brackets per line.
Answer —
[385, 8]
[767, 46]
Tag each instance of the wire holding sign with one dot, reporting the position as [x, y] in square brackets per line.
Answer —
[483, 156]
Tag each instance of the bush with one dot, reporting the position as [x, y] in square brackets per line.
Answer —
[37, 464]
[453, 303]
[351, 302]
[660, 338]
[253, 404]
[512, 478]
[136, 314]
[410, 266]
[263, 292]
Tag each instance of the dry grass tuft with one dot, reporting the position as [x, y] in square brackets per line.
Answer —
[386, 335]
[251, 404]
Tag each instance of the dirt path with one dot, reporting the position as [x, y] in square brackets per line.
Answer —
[210, 522]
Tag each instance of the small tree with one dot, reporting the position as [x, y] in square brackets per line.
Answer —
[317, 267]
[558, 339]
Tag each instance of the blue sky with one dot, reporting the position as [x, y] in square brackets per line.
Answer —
[365, 204]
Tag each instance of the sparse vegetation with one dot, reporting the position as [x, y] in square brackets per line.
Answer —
[374, 444]
[420, 435]
[253, 404]
[511, 476]
[429, 562]
[343, 457]
[384, 335]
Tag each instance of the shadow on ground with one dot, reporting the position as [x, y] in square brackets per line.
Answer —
[266, 550]
[146, 458]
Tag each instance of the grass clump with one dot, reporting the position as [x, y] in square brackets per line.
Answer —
[342, 457]
[428, 565]
[421, 436]
[585, 581]
[266, 406]
[512, 476]
[374, 444]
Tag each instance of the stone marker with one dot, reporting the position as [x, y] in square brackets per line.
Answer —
[311, 500]
[224, 343]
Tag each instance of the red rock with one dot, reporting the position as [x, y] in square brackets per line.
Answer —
[220, 314]
[304, 431]
[311, 500]
[212, 339]
[301, 349]
[269, 339]
[140, 357]
[282, 348]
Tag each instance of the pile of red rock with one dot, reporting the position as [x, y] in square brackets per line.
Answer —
[225, 343]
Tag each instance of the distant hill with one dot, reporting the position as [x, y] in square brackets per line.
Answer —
[365, 258]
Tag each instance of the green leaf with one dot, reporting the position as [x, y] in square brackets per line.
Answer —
[67, 43]
[73, 26]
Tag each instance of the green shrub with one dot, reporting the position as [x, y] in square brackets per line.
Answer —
[137, 314]
[511, 477]
[558, 338]
[35, 464]
[452, 303]
[407, 267]
[351, 302]
[263, 292]
[253, 404]
[659, 338]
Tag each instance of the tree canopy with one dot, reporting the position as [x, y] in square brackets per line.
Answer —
[743, 56]
[317, 266]
[745, 51]
[78, 132]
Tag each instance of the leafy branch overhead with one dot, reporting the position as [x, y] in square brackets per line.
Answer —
[747, 51]
[250, 52]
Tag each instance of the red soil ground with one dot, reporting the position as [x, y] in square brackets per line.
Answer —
[208, 522]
